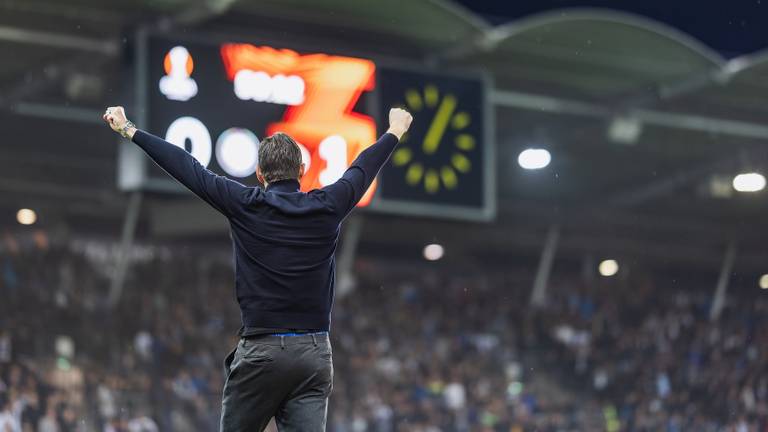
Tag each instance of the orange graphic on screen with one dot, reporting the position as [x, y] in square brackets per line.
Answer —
[323, 122]
[189, 64]
[177, 84]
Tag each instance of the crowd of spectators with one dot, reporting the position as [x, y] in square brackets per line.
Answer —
[661, 361]
[420, 348]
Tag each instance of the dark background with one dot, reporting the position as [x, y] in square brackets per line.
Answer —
[730, 27]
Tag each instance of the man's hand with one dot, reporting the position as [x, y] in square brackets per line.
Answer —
[115, 118]
[399, 122]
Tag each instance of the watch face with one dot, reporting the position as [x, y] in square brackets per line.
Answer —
[440, 159]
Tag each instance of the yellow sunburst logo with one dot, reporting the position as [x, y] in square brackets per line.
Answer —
[447, 120]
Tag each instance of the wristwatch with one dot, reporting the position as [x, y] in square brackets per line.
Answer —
[124, 130]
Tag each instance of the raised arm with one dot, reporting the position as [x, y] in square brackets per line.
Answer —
[218, 191]
[349, 189]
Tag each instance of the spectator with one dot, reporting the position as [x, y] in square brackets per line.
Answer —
[9, 422]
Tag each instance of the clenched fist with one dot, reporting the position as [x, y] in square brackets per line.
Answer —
[116, 119]
[399, 121]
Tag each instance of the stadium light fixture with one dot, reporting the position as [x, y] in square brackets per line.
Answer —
[26, 216]
[608, 267]
[764, 281]
[534, 158]
[749, 182]
[433, 252]
[625, 130]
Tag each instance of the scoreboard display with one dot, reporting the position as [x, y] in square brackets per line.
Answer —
[217, 100]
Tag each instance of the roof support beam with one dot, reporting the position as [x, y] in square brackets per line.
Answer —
[541, 282]
[106, 47]
[695, 122]
[546, 103]
[720, 74]
[703, 123]
[58, 112]
[202, 12]
[65, 10]
[130, 223]
[726, 268]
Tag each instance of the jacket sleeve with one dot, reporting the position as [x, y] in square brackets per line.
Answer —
[220, 192]
[350, 188]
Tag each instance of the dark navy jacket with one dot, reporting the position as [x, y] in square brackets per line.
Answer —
[284, 239]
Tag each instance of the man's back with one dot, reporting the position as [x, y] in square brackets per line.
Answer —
[285, 241]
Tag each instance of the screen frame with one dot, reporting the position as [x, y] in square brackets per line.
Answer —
[485, 213]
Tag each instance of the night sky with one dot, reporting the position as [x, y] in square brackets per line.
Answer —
[732, 28]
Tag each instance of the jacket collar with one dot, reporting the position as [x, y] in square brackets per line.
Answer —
[288, 185]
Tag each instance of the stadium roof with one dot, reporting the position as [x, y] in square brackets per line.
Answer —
[643, 121]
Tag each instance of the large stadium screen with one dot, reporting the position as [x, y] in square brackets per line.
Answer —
[218, 99]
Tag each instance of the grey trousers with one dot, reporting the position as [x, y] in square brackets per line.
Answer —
[285, 377]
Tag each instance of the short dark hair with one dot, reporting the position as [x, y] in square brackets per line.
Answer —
[279, 157]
